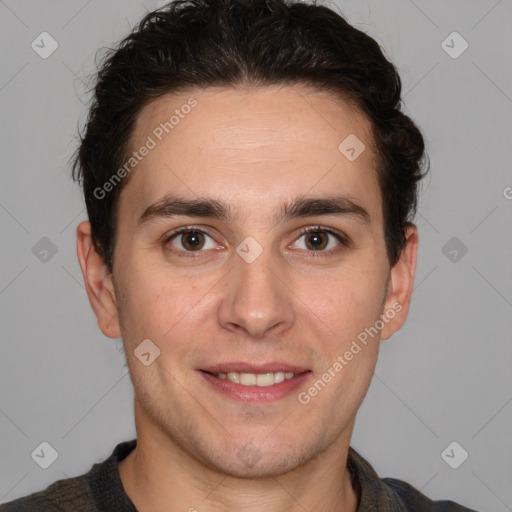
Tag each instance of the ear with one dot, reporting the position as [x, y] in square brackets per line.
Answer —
[98, 283]
[401, 280]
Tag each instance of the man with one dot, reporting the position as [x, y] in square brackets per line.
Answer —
[250, 182]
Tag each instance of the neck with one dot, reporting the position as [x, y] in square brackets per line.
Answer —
[159, 476]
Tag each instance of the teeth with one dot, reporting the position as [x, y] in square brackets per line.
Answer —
[259, 379]
[248, 379]
[279, 377]
[234, 377]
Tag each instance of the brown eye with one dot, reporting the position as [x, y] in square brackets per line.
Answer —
[316, 240]
[190, 240]
[320, 240]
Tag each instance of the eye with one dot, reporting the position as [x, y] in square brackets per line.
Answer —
[317, 238]
[189, 239]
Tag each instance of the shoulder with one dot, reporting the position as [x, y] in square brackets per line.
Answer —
[68, 494]
[414, 500]
[390, 494]
[98, 490]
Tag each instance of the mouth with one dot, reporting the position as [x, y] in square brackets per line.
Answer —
[255, 379]
[255, 383]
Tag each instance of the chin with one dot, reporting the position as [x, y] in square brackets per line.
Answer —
[266, 467]
[259, 459]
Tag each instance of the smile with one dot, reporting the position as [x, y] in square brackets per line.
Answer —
[256, 379]
[256, 386]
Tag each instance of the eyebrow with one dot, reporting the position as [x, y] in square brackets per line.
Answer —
[173, 206]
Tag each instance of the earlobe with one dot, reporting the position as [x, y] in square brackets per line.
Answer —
[98, 283]
[400, 285]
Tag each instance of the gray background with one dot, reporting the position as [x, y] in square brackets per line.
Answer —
[446, 376]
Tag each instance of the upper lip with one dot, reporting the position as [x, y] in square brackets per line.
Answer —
[242, 367]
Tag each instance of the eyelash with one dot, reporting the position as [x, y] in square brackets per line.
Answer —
[344, 241]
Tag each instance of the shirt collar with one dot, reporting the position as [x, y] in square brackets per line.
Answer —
[374, 494]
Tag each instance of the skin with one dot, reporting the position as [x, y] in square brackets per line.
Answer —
[255, 150]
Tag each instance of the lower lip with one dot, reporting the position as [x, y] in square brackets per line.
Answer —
[257, 394]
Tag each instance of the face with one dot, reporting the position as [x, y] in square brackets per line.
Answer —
[248, 244]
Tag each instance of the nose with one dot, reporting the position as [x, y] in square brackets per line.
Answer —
[257, 300]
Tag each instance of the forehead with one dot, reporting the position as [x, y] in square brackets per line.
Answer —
[253, 147]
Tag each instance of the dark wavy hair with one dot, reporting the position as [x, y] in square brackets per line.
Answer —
[241, 43]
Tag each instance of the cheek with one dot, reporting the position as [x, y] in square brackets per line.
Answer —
[141, 300]
[349, 301]
[156, 304]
